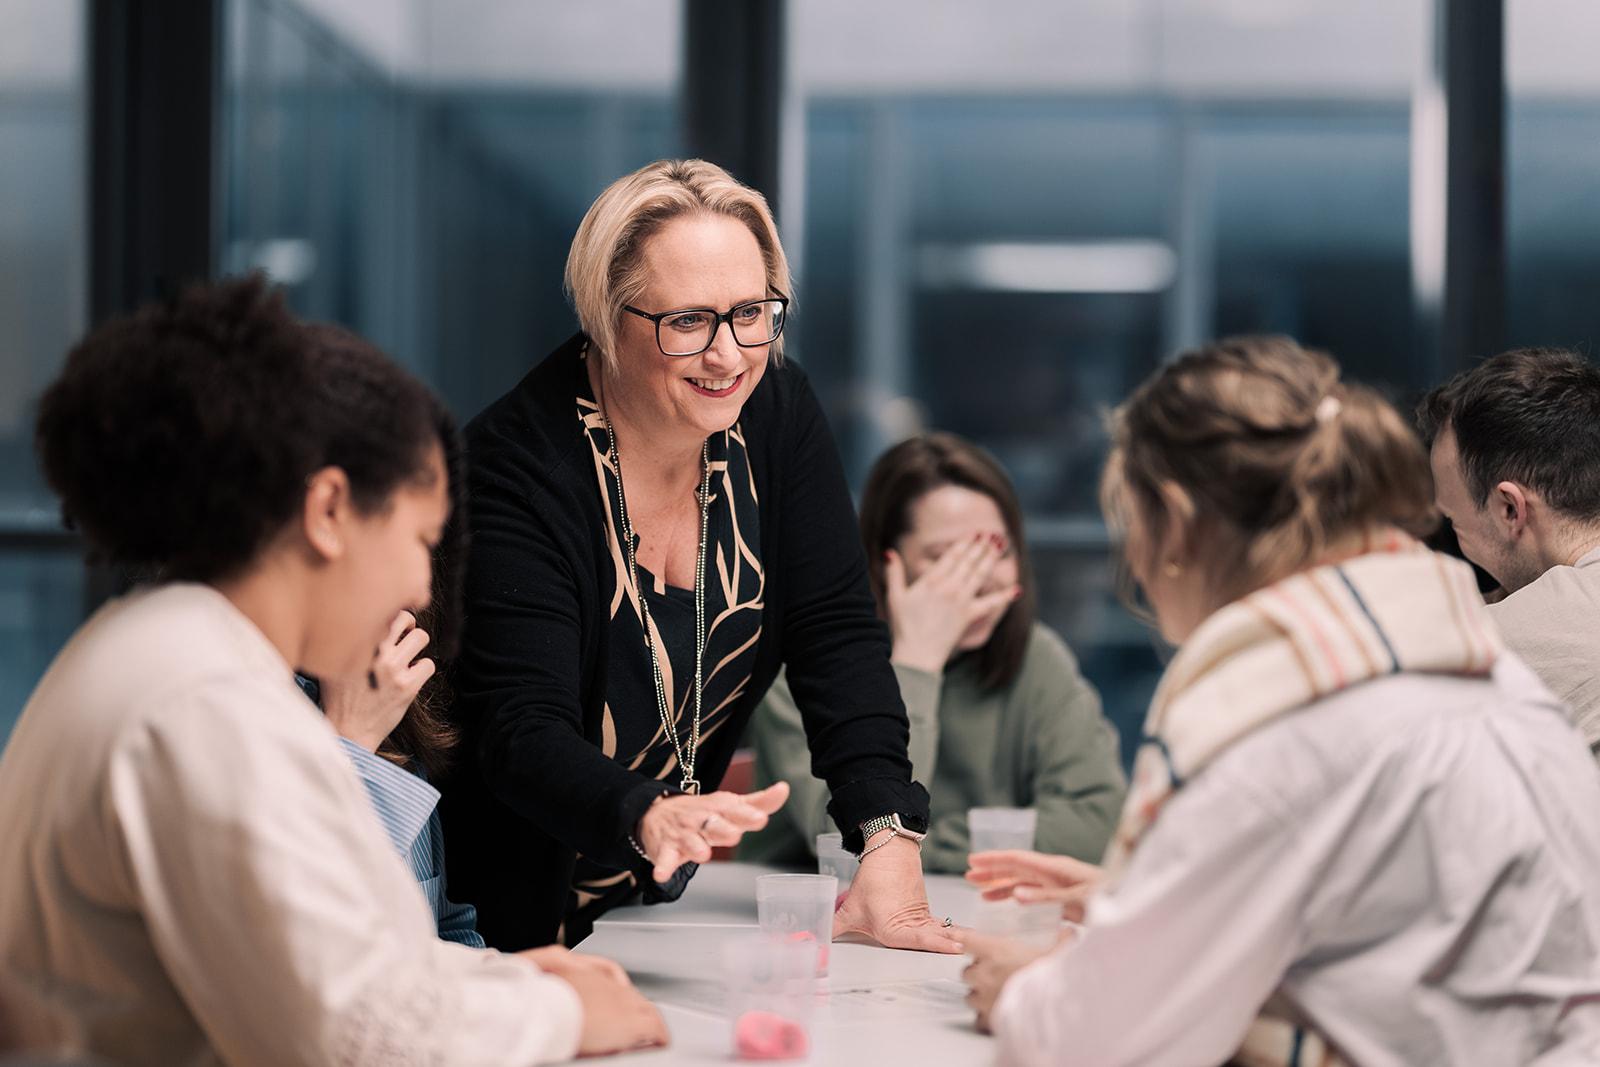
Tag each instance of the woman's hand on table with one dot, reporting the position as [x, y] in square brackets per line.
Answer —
[366, 708]
[929, 615]
[684, 829]
[559, 960]
[888, 903]
[1033, 876]
[616, 1016]
[994, 961]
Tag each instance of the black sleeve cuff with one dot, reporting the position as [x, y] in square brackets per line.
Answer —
[635, 802]
[632, 809]
[869, 798]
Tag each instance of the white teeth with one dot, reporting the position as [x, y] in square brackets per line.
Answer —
[715, 386]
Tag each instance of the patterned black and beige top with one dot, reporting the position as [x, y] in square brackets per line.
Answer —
[631, 730]
[548, 731]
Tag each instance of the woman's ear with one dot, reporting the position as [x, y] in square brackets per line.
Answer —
[1175, 545]
[326, 516]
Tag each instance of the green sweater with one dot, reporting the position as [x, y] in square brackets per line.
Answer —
[1041, 742]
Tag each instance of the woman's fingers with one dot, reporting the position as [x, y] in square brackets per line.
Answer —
[1000, 890]
[979, 946]
[945, 574]
[1024, 865]
[894, 577]
[397, 629]
[975, 563]
[610, 969]
[981, 607]
[410, 646]
[770, 799]
[418, 673]
[686, 828]
[930, 937]
[668, 860]
[983, 872]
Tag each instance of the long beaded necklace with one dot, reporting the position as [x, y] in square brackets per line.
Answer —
[686, 753]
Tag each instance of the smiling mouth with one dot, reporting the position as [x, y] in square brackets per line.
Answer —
[715, 386]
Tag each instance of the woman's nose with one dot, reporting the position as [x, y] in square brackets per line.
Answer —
[724, 352]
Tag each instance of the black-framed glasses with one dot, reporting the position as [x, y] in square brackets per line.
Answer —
[690, 331]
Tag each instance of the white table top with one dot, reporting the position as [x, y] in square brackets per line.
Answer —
[876, 1006]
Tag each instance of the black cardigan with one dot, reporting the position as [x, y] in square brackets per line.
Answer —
[531, 785]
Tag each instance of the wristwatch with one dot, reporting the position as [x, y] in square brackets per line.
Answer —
[896, 828]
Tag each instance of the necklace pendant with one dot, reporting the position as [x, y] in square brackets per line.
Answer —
[690, 786]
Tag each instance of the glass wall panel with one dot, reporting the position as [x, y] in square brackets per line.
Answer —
[416, 171]
[1553, 174]
[43, 283]
[1017, 211]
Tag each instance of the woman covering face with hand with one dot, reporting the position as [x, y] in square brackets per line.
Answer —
[659, 522]
[190, 871]
[1000, 715]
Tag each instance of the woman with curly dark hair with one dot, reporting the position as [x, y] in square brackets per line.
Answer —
[390, 716]
[190, 871]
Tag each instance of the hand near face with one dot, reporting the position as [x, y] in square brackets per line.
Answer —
[1034, 876]
[366, 708]
[684, 829]
[929, 615]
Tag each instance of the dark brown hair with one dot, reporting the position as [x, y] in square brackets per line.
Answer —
[180, 437]
[1279, 457]
[424, 737]
[909, 471]
[1531, 415]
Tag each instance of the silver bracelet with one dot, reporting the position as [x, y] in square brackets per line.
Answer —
[870, 849]
[893, 833]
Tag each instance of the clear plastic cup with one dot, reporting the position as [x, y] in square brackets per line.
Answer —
[799, 908]
[771, 996]
[1037, 923]
[1001, 828]
[833, 859]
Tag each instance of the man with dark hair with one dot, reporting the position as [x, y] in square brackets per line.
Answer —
[1516, 466]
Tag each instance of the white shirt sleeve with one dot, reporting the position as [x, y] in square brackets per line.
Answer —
[286, 920]
[1177, 961]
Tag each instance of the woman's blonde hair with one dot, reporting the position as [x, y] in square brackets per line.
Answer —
[1277, 457]
[605, 267]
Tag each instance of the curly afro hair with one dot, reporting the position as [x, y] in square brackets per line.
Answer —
[180, 438]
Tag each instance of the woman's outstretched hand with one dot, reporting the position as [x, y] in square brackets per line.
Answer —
[684, 829]
[888, 903]
[1034, 876]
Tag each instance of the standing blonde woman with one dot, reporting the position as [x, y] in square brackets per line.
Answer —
[1352, 804]
[659, 521]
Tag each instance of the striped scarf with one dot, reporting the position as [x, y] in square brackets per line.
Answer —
[1395, 608]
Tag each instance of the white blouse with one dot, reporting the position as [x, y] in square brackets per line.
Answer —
[1413, 863]
[191, 872]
